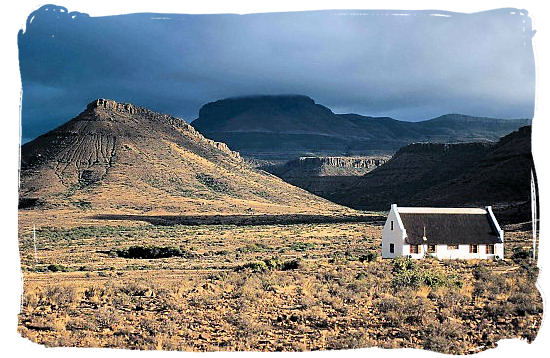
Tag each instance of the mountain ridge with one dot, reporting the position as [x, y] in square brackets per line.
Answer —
[289, 126]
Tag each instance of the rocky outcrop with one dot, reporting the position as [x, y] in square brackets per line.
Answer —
[341, 162]
[325, 166]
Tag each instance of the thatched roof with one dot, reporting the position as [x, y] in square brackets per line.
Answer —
[450, 229]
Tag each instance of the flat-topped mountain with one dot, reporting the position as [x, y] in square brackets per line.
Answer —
[289, 126]
[120, 157]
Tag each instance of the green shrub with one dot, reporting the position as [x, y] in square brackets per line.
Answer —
[521, 254]
[408, 274]
[212, 183]
[153, 252]
[302, 246]
[407, 279]
[369, 256]
[255, 247]
[401, 264]
[273, 263]
[57, 268]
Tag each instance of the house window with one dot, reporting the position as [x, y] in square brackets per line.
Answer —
[490, 249]
[432, 248]
[391, 225]
[392, 248]
[473, 249]
[452, 247]
[414, 249]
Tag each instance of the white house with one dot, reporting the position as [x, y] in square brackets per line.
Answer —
[446, 233]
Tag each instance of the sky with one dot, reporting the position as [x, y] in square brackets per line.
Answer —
[409, 65]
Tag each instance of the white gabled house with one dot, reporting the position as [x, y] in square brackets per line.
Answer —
[445, 233]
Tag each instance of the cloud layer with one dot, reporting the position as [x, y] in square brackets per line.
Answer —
[410, 65]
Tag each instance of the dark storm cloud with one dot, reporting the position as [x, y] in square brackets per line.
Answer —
[409, 65]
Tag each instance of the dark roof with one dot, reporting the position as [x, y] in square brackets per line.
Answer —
[449, 228]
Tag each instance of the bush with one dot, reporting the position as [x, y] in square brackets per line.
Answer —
[60, 295]
[274, 263]
[57, 268]
[408, 274]
[401, 264]
[488, 283]
[524, 304]
[369, 256]
[302, 246]
[443, 337]
[407, 279]
[257, 266]
[153, 252]
[521, 254]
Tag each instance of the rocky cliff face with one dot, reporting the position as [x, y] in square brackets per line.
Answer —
[341, 162]
[326, 166]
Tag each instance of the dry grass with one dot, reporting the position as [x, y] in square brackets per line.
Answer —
[207, 301]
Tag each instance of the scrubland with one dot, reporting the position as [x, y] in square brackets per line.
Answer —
[289, 287]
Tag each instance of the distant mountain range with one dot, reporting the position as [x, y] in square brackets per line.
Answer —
[120, 158]
[290, 126]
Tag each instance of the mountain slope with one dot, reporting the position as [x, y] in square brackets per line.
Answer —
[117, 157]
[431, 174]
[288, 126]
[503, 175]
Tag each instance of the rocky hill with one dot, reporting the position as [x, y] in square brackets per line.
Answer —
[290, 126]
[467, 174]
[116, 157]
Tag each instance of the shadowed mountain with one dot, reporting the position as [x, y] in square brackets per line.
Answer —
[117, 157]
[288, 126]
[431, 174]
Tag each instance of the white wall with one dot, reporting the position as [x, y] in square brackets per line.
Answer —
[395, 236]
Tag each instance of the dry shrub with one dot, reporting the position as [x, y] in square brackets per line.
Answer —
[248, 329]
[60, 296]
[489, 284]
[444, 337]
[31, 300]
[107, 317]
[80, 324]
[525, 303]
[349, 340]
[390, 309]
[316, 317]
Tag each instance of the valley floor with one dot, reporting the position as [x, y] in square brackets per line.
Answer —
[281, 286]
